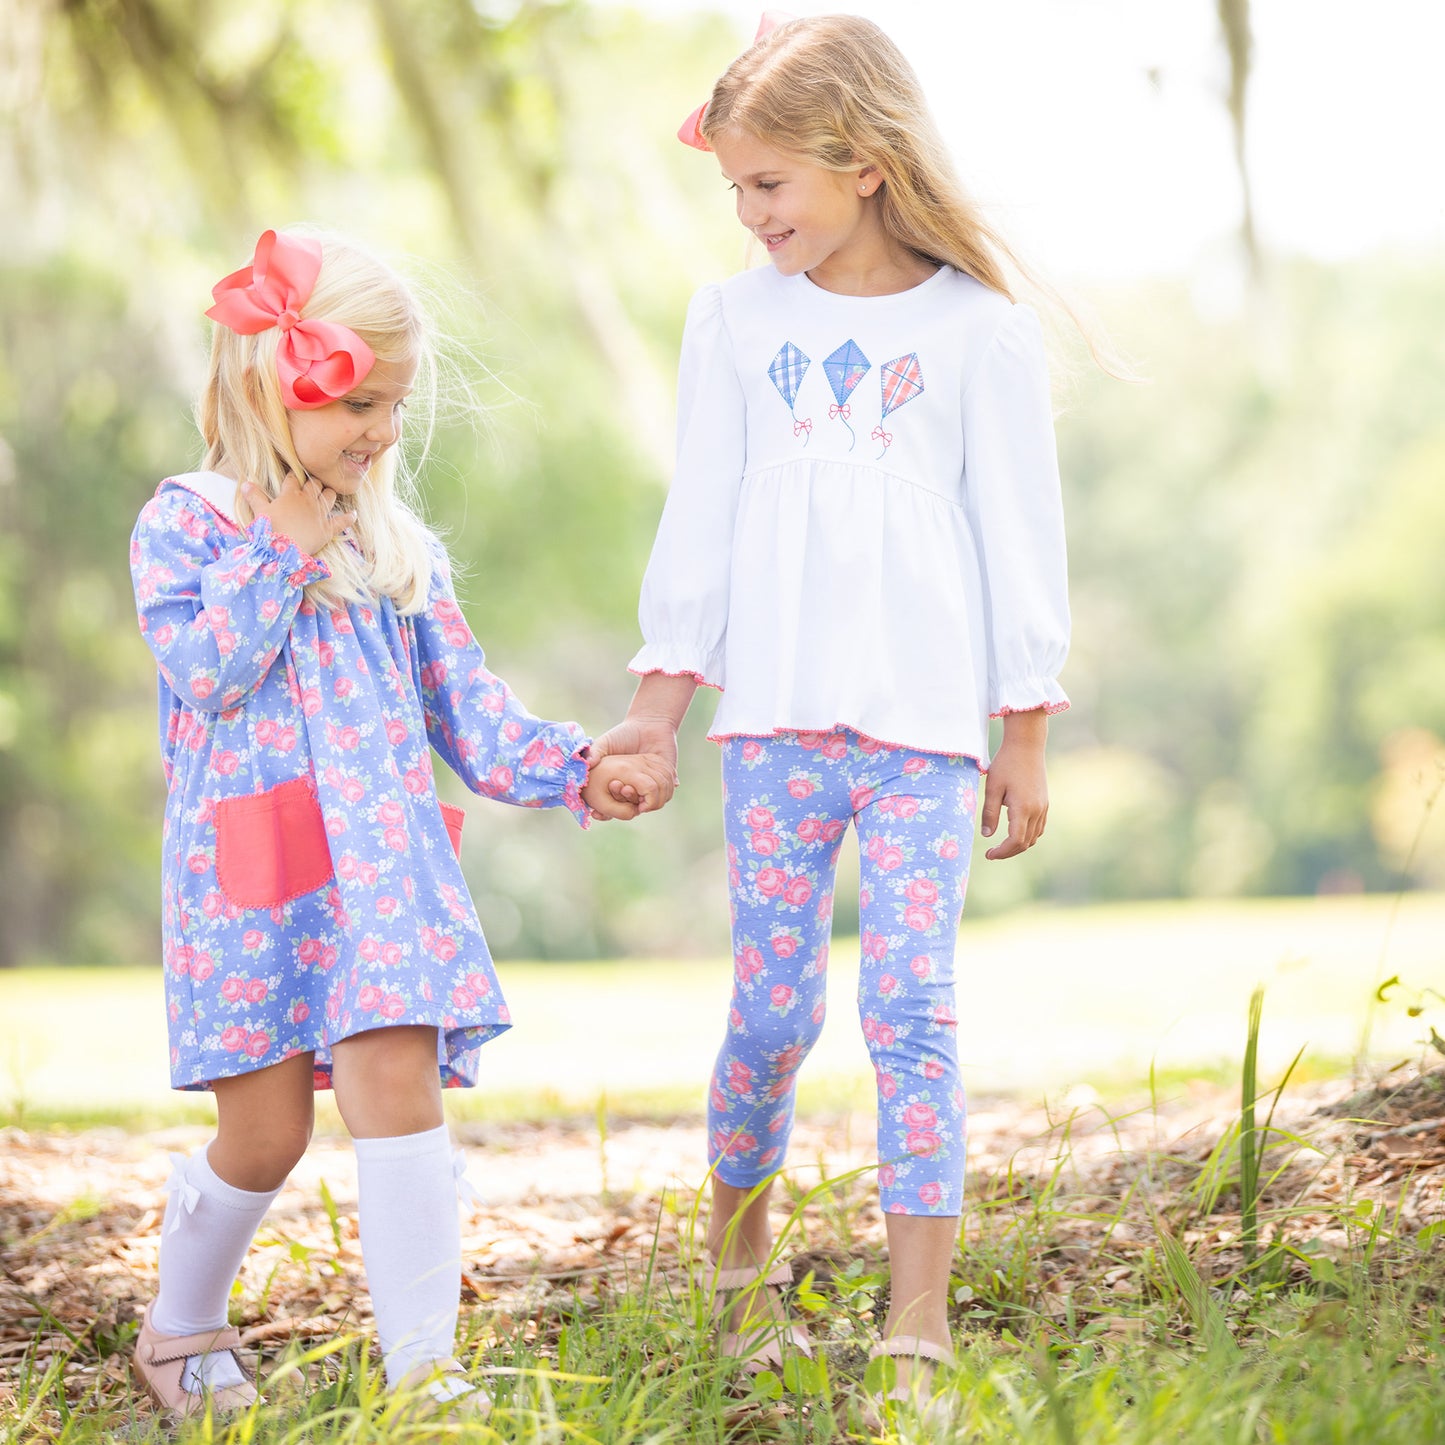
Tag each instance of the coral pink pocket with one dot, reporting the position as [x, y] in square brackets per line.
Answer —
[272, 847]
[454, 817]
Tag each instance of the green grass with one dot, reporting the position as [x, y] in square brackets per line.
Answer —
[1244, 1288]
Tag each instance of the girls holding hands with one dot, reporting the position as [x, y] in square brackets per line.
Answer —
[317, 931]
[863, 548]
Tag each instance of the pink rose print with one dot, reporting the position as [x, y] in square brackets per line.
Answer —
[234, 989]
[887, 984]
[918, 917]
[771, 882]
[916, 765]
[300, 1012]
[785, 945]
[386, 905]
[922, 966]
[789, 1058]
[256, 991]
[752, 751]
[948, 848]
[930, 1193]
[922, 890]
[800, 788]
[202, 968]
[890, 858]
[920, 1116]
[765, 843]
[369, 999]
[887, 1085]
[819, 1009]
[923, 1143]
[252, 940]
[257, 1044]
[798, 891]
[932, 1069]
[393, 1006]
[810, 830]
[905, 808]
[887, 1175]
[233, 1039]
[887, 1037]
[740, 1077]
[859, 798]
[835, 748]
[760, 818]
[781, 997]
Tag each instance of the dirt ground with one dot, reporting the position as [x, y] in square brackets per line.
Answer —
[561, 1208]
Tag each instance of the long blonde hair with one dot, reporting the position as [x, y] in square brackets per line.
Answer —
[247, 429]
[835, 91]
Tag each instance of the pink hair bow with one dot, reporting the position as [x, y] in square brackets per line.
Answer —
[690, 131]
[316, 361]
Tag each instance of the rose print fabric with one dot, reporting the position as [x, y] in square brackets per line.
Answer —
[310, 890]
[787, 801]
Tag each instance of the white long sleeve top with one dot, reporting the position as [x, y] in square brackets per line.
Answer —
[864, 527]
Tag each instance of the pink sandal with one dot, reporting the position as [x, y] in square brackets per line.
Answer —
[472, 1403]
[919, 1351]
[759, 1345]
[159, 1361]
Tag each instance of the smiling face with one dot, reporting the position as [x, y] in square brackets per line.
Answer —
[339, 442]
[809, 218]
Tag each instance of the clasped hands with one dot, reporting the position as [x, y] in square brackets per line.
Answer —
[633, 769]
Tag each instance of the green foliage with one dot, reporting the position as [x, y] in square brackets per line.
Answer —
[1255, 535]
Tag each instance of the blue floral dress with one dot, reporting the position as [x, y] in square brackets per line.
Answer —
[310, 884]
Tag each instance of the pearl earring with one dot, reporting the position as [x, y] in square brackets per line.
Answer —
[862, 190]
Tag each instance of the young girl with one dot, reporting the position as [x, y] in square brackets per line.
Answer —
[317, 929]
[863, 548]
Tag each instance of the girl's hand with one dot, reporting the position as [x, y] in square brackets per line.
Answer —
[641, 733]
[301, 510]
[624, 785]
[1017, 781]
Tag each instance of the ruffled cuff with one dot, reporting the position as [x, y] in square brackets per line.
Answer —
[280, 551]
[680, 660]
[578, 769]
[1027, 694]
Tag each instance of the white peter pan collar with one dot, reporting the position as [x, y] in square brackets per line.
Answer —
[216, 491]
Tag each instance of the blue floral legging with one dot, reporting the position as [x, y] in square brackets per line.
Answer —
[787, 801]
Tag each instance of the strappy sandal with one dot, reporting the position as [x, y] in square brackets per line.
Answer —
[759, 1345]
[904, 1347]
[472, 1403]
[160, 1360]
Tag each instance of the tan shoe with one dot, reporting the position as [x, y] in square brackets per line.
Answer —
[918, 1391]
[471, 1404]
[758, 1344]
[159, 1360]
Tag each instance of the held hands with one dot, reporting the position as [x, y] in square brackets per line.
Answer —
[302, 510]
[634, 768]
[1017, 782]
[622, 785]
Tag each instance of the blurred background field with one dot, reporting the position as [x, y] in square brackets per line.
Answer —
[1076, 1004]
[1256, 533]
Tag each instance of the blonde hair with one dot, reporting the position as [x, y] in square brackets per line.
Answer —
[247, 429]
[835, 91]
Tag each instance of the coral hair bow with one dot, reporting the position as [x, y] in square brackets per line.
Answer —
[316, 361]
[690, 131]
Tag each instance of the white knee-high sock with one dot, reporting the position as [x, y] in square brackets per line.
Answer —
[208, 1228]
[411, 1241]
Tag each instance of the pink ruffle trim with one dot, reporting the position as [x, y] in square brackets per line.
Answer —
[1046, 707]
[696, 676]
